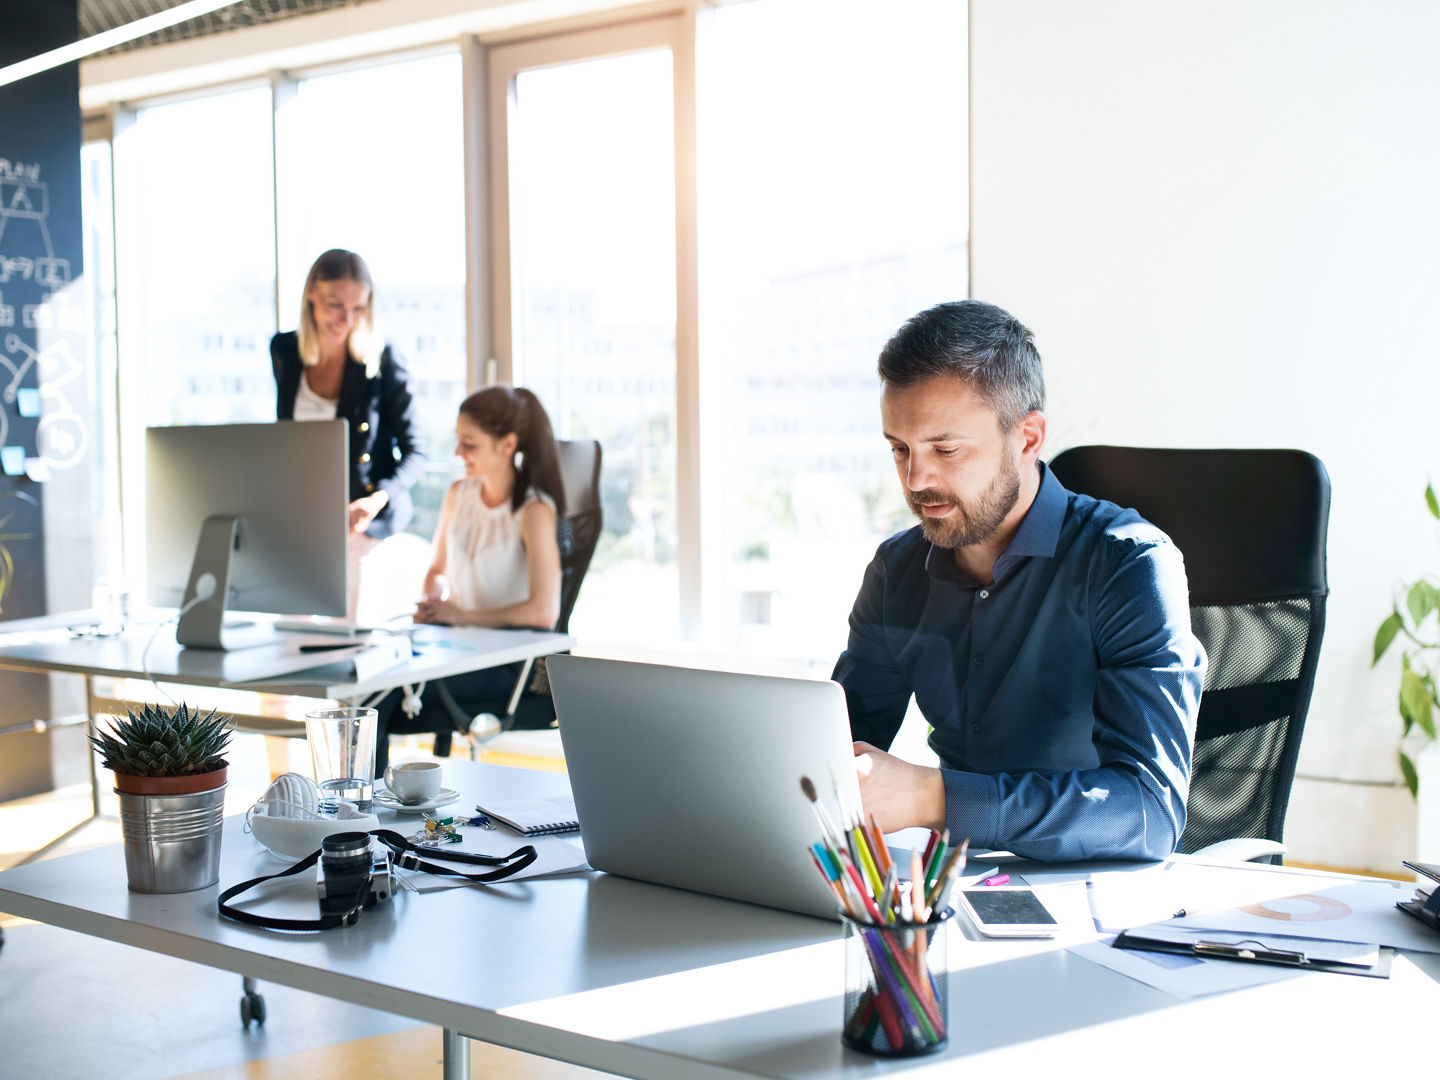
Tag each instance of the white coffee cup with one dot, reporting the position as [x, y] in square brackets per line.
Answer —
[414, 781]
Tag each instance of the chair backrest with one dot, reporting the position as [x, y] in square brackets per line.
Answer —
[1252, 527]
[579, 530]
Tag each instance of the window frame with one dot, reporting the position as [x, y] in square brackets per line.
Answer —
[675, 33]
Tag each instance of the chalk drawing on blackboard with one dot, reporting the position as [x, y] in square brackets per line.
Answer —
[55, 312]
[27, 198]
[21, 198]
[14, 343]
[15, 266]
[52, 273]
[61, 438]
[7, 312]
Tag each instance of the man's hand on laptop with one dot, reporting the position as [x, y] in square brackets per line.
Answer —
[897, 792]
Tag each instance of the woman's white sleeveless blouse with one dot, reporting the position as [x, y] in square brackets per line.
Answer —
[485, 560]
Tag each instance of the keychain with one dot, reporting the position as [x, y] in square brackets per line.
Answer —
[438, 832]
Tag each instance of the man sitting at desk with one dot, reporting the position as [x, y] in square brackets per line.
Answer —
[1045, 635]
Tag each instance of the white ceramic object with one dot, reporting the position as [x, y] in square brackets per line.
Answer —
[415, 782]
[294, 838]
[389, 802]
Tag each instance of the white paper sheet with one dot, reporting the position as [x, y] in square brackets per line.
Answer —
[1125, 899]
[554, 855]
[1362, 912]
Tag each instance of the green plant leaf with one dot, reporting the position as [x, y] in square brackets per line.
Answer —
[159, 743]
[1431, 501]
[1385, 635]
[1419, 600]
[1412, 778]
[1415, 704]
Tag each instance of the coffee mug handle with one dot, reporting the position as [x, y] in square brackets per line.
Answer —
[389, 781]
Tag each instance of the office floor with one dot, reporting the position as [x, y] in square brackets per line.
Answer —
[73, 1006]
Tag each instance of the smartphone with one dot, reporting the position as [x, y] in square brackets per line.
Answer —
[1007, 911]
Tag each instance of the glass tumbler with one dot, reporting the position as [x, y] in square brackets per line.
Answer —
[342, 753]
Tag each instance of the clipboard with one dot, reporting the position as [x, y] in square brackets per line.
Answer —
[1303, 954]
[1427, 910]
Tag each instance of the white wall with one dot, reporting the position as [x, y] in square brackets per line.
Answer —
[1219, 218]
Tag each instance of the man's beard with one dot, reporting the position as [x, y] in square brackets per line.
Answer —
[972, 523]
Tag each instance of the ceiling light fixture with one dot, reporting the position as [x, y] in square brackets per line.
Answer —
[108, 39]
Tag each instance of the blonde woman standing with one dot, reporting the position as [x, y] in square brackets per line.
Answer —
[337, 367]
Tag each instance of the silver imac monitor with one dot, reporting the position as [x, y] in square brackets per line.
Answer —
[246, 517]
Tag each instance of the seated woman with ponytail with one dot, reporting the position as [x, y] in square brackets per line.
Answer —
[496, 562]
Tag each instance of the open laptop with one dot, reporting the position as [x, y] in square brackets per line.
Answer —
[692, 778]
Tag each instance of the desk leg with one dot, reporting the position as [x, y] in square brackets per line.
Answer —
[457, 1056]
[90, 750]
[52, 844]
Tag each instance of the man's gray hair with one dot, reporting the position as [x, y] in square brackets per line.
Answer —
[986, 346]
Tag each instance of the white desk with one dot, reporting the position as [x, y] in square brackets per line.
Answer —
[439, 651]
[658, 983]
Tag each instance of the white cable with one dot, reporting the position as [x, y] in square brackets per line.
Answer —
[145, 653]
[410, 703]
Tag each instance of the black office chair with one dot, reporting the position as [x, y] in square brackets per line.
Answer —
[529, 704]
[1251, 525]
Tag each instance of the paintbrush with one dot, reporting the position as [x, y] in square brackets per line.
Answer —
[832, 835]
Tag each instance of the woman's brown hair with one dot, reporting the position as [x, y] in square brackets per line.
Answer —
[500, 410]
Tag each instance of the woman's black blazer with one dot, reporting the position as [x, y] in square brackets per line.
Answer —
[387, 452]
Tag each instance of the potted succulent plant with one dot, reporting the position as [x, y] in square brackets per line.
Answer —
[170, 776]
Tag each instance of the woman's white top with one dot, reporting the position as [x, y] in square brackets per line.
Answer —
[311, 406]
[485, 560]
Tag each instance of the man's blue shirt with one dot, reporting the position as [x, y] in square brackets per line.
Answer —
[1062, 695]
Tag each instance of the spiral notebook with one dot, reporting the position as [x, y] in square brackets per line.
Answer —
[536, 817]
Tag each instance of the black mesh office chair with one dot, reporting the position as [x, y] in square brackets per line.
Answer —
[1251, 525]
[529, 704]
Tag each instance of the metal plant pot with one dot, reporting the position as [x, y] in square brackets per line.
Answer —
[172, 841]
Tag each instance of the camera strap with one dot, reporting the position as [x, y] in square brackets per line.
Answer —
[404, 856]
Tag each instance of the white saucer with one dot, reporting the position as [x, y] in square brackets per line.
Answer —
[390, 802]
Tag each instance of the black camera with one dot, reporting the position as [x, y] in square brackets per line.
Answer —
[351, 875]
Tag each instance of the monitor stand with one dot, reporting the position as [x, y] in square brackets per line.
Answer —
[202, 619]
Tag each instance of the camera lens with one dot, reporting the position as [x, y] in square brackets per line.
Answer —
[344, 880]
[339, 848]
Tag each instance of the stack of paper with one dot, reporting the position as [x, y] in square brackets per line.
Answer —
[1281, 925]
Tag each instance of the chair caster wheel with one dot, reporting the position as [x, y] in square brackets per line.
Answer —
[485, 726]
[252, 1007]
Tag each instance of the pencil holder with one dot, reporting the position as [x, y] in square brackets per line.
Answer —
[897, 992]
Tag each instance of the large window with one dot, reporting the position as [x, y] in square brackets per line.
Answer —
[695, 264]
[372, 160]
[369, 159]
[591, 215]
[198, 272]
[833, 155]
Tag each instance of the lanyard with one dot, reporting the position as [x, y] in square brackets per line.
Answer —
[404, 857]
